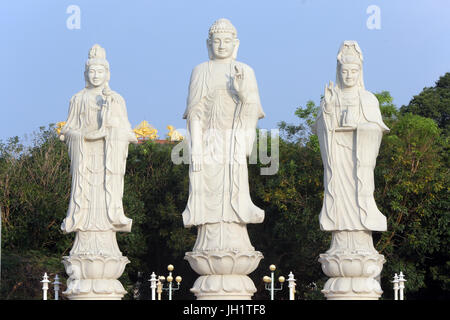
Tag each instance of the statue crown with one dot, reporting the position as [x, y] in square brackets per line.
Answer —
[97, 55]
[350, 52]
[97, 52]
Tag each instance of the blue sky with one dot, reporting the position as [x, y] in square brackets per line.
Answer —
[152, 47]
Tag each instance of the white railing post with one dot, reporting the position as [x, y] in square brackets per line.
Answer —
[395, 282]
[153, 281]
[56, 287]
[291, 281]
[401, 281]
[45, 282]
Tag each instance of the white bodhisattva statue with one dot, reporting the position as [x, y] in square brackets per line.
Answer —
[350, 128]
[97, 133]
[223, 108]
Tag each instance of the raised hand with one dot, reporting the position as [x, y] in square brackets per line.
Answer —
[329, 93]
[238, 81]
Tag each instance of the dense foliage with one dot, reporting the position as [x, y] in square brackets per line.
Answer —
[412, 190]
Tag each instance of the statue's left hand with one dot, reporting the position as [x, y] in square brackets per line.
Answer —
[238, 82]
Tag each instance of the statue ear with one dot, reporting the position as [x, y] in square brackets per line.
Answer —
[208, 46]
[236, 48]
[86, 79]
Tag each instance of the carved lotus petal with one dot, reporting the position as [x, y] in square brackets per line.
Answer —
[199, 263]
[352, 267]
[330, 267]
[222, 263]
[92, 268]
[211, 283]
[247, 263]
[373, 267]
[232, 284]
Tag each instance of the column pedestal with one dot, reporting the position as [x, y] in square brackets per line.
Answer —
[94, 265]
[223, 269]
[352, 263]
[223, 274]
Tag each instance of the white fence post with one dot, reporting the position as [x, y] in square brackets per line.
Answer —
[401, 281]
[395, 282]
[291, 286]
[56, 286]
[45, 282]
[153, 281]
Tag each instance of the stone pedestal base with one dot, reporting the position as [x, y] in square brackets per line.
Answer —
[352, 263]
[92, 273]
[223, 274]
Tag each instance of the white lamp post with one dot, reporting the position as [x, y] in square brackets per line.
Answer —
[56, 284]
[169, 279]
[45, 282]
[270, 282]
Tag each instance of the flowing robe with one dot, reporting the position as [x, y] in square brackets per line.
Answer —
[349, 159]
[97, 166]
[219, 192]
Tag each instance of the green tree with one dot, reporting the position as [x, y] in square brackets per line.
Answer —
[412, 191]
[33, 199]
[433, 102]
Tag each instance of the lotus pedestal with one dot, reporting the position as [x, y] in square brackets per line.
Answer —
[353, 265]
[223, 274]
[94, 265]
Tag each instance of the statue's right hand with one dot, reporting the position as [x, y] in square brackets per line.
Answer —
[196, 161]
[329, 94]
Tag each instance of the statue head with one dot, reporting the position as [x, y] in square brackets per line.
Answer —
[96, 72]
[349, 72]
[222, 40]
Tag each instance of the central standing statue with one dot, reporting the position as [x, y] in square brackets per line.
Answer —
[223, 108]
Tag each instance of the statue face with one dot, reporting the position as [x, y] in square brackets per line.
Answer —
[222, 45]
[97, 75]
[349, 74]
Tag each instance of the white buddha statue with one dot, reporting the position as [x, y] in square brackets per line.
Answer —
[223, 108]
